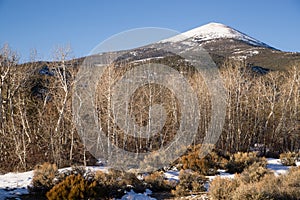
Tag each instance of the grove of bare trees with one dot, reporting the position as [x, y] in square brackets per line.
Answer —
[37, 125]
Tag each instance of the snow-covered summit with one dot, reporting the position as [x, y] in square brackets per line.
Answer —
[213, 31]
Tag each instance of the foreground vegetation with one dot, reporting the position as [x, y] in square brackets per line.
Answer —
[257, 183]
[253, 181]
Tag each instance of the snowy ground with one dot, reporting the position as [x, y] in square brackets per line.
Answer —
[12, 185]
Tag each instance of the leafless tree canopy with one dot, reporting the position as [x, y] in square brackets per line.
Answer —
[36, 122]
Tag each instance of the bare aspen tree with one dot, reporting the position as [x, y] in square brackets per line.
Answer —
[63, 76]
[7, 61]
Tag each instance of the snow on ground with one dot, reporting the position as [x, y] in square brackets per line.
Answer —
[138, 196]
[172, 175]
[12, 185]
[276, 166]
[147, 59]
[88, 168]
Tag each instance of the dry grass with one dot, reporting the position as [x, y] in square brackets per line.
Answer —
[239, 161]
[266, 187]
[190, 183]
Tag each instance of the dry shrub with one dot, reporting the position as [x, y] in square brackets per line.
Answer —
[284, 187]
[222, 188]
[189, 183]
[250, 192]
[125, 179]
[154, 161]
[267, 187]
[234, 189]
[253, 173]
[239, 161]
[206, 166]
[290, 184]
[115, 183]
[44, 178]
[73, 187]
[97, 185]
[289, 158]
[157, 182]
[218, 159]
[103, 181]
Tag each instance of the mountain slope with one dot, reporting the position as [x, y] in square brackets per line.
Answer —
[213, 31]
[224, 42]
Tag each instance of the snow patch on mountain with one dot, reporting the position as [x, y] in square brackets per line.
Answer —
[213, 31]
[244, 54]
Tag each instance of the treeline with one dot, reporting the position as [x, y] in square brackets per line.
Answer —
[263, 110]
[37, 124]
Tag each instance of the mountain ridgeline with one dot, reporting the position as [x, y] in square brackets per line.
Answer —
[224, 42]
[263, 100]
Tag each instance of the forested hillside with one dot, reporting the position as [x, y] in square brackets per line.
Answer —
[36, 122]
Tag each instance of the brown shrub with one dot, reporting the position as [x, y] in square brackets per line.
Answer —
[44, 178]
[217, 161]
[290, 183]
[250, 192]
[222, 188]
[115, 183]
[253, 173]
[267, 188]
[257, 183]
[73, 187]
[125, 179]
[239, 161]
[189, 183]
[157, 182]
[206, 166]
[284, 187]
[289, 158]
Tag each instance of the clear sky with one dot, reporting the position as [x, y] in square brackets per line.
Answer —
[45, 24]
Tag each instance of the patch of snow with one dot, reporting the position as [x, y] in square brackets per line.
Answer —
[239, 57]
[248, 52]
[224, 174]
[172, 175]
[46, 71]
[147, 59]
[138, 196]
[88, 168]
[276, 166]
[188, 43]
[133, 53]
[14, 184]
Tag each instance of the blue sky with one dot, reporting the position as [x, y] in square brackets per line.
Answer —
[45, 24]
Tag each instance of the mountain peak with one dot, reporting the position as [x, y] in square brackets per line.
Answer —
[215, 25]
[213, 31]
